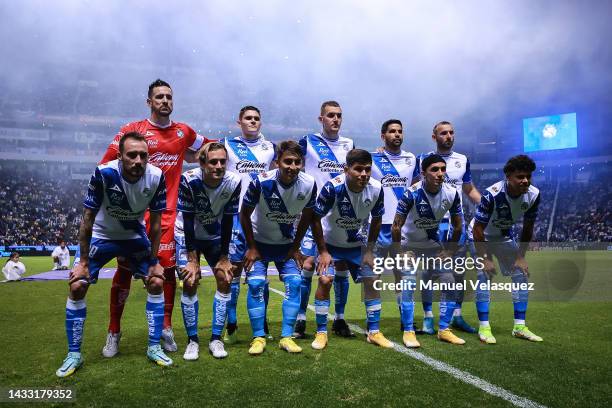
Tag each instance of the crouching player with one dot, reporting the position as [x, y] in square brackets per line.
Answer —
[208, 200]
[118, 195]
[502, 205]
[272, 204]
[342, 206]
[417, 219]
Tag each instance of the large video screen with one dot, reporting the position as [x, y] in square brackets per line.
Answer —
[550, 132]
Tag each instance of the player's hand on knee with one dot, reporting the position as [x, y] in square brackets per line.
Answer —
[489, 268]
[156, 271]
[521, 263]
[325, 260]
[368, 258]
[191, 274]
[224, 268]
[79, 272]
[251, 256]
[297, 256]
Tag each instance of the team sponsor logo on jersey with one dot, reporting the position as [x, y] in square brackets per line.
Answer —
[389, 180]
[160, 159]
[179, 133]
[281, 217]
[115, 188]
[345, 200]
[330, 166]
[503, 223]
[348, 223]
[152, 142]
[115, 198]
[167, 247]
[123, 214]
[426, 223]
[247, 166]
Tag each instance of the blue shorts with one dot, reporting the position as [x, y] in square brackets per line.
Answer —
[136, 251]
[278, 255]
[211, 249]
[237, 247]
[308, 247]
[352, 257]
[506, 253]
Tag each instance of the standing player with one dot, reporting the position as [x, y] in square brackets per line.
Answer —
[458, 175]
[248, 156]
[273, 202]
[415, 226]
[118, 195]
[61, 256]
[395, 169]
[325, 156]
[207, 202]
[502, 205]
[169, 143]
[343, 205]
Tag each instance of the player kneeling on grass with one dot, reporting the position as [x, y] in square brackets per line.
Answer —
[416, 223]
[207, 202]
[342, 206]
[502, 205]
[118, 195]
[272, 204]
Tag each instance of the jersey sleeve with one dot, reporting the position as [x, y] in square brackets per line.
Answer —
[158, 202]
[313, 197]
[456, 207]
[231, 207]
[185, 197]
[95, 191]
[193, 140]
[485, 208]
[379, 208]
[467, 176]
[404, 205]
[325, 200]
[532, 213]
[251, 197]
[303, 142]
[417, 168]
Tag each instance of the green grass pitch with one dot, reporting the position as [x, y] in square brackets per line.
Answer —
[570, 368]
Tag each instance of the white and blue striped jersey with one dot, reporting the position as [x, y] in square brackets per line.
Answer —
[500, 212]
[343, 212]
[325, 158]
[208, 204]
[424, 211]
[121, 205]
[249, 158]
[277, 206]
[395, 173]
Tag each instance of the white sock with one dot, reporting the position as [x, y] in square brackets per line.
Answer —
[484, 323]
[429, 313]
[301, 316]
[519, 321]
[339, 316]
[457, 312]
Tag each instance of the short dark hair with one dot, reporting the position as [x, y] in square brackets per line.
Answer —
[444, 122]
[328, 103]
[246, 108]
[289, 146]
[521, 162]
[388, 123]
[130, 135]
[210, 147]
[358, 156]
[157, 83]
[431, 159]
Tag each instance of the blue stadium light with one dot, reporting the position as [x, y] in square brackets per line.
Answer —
[552, 132]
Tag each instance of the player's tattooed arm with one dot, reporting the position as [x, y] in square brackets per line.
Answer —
[81, 270]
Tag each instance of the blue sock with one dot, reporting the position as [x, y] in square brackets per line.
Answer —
[76, 312]
[190, 308]
[483, 311]
[520, 310]
[446, 314]
[321, 310]
[256, 304]
[220, 302]
[305, 287]
[233, 303]
[373, 307]
[291, 303]
[407, 310]
[341, 289]
[155, 317]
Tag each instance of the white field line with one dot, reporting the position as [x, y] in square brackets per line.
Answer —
[452, 371]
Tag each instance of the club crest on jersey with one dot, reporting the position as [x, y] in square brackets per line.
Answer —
[408, 161]
[180, 133]
[345, 147]
[264, 146]
[300, 197]
[147, 192]
[224, 195]
[445, 203]
[457, 164]
[524, 206]
[367, 202]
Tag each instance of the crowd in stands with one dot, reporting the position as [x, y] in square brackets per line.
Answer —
[41, 206]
